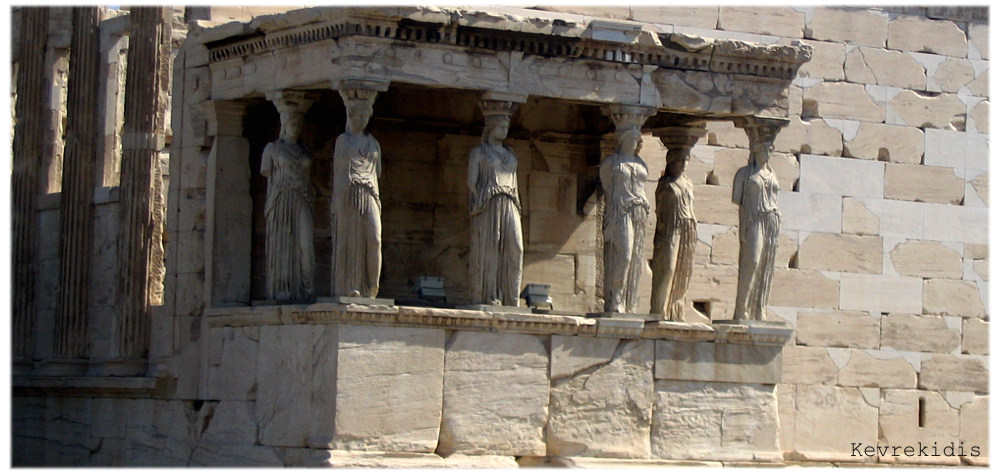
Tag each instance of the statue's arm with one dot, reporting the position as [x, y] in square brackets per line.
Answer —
[377, 158]
[475, 157]
[738, 182]
[266, 162]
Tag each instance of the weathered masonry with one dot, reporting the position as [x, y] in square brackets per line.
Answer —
[175, 355]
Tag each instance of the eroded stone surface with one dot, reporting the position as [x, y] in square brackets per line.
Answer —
[496, 395]
[927, 333]
[945, 111]
[804, 288]
[953, 74]
[388, 389]
[859, 27]
[806, 365]
[857, 219]
[718, 362]
[817, 406]
[714, 421]
[604, 410]
[979, 117]
[841, 100]
[780, 21]
[864, 370]
[884, 67]
[954, 373]
[974, 428]
[975, 336]
[837, 329]
[923, 183]
[907, 418]
[840, 252]
[910, 33]
[885, 142]
[926, 259]
[959, 298]
[284, 384]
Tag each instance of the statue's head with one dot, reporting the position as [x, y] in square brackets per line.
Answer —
[359, 112]
[677, 159]
[496, 115]
[629, 141]
[291, 124]
[358, 103]
[496, 128]
[292, 107]
[760, 150]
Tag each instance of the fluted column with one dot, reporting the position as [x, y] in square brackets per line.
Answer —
[140, 204]
[75, 225]
[29, 135]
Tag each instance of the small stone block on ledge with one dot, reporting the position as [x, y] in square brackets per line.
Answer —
[619, 326]
[756, 332]
[356, 300]
[496, 308]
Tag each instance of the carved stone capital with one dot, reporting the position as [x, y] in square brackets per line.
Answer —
[497, 108]
[224, 117]
[761, 129]
[681, 136]
[628, 116]
[359, 89]
[289, 100]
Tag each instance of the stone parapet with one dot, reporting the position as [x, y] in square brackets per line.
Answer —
[730, 331]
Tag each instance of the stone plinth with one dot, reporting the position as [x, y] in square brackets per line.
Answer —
[322, 377]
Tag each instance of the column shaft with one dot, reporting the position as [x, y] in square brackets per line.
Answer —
[75, 224]
[29, 135]
[140, 255]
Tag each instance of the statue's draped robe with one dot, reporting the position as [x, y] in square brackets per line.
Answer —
[496, 247]
[288, 213]
[756, 191]
[673, 246]
[357, 216]
[623, 178]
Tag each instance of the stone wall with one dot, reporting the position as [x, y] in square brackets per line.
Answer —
[884, 254]
[883, 272]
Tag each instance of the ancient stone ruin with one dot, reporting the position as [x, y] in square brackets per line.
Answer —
[499, 237]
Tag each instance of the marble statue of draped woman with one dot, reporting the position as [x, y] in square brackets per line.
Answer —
[356, 209]
[755, 190]
[496, 247]
[674, 240]
[288, 214]
[623, 177]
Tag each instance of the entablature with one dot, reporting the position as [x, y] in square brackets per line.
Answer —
[506, 50]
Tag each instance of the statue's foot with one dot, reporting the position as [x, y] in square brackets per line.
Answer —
[355, 293]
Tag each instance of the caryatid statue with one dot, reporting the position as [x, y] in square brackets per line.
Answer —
[623, 178]
[496, 246]
[356, 209]
[676, 232]
[288, 210]
[755, 190]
